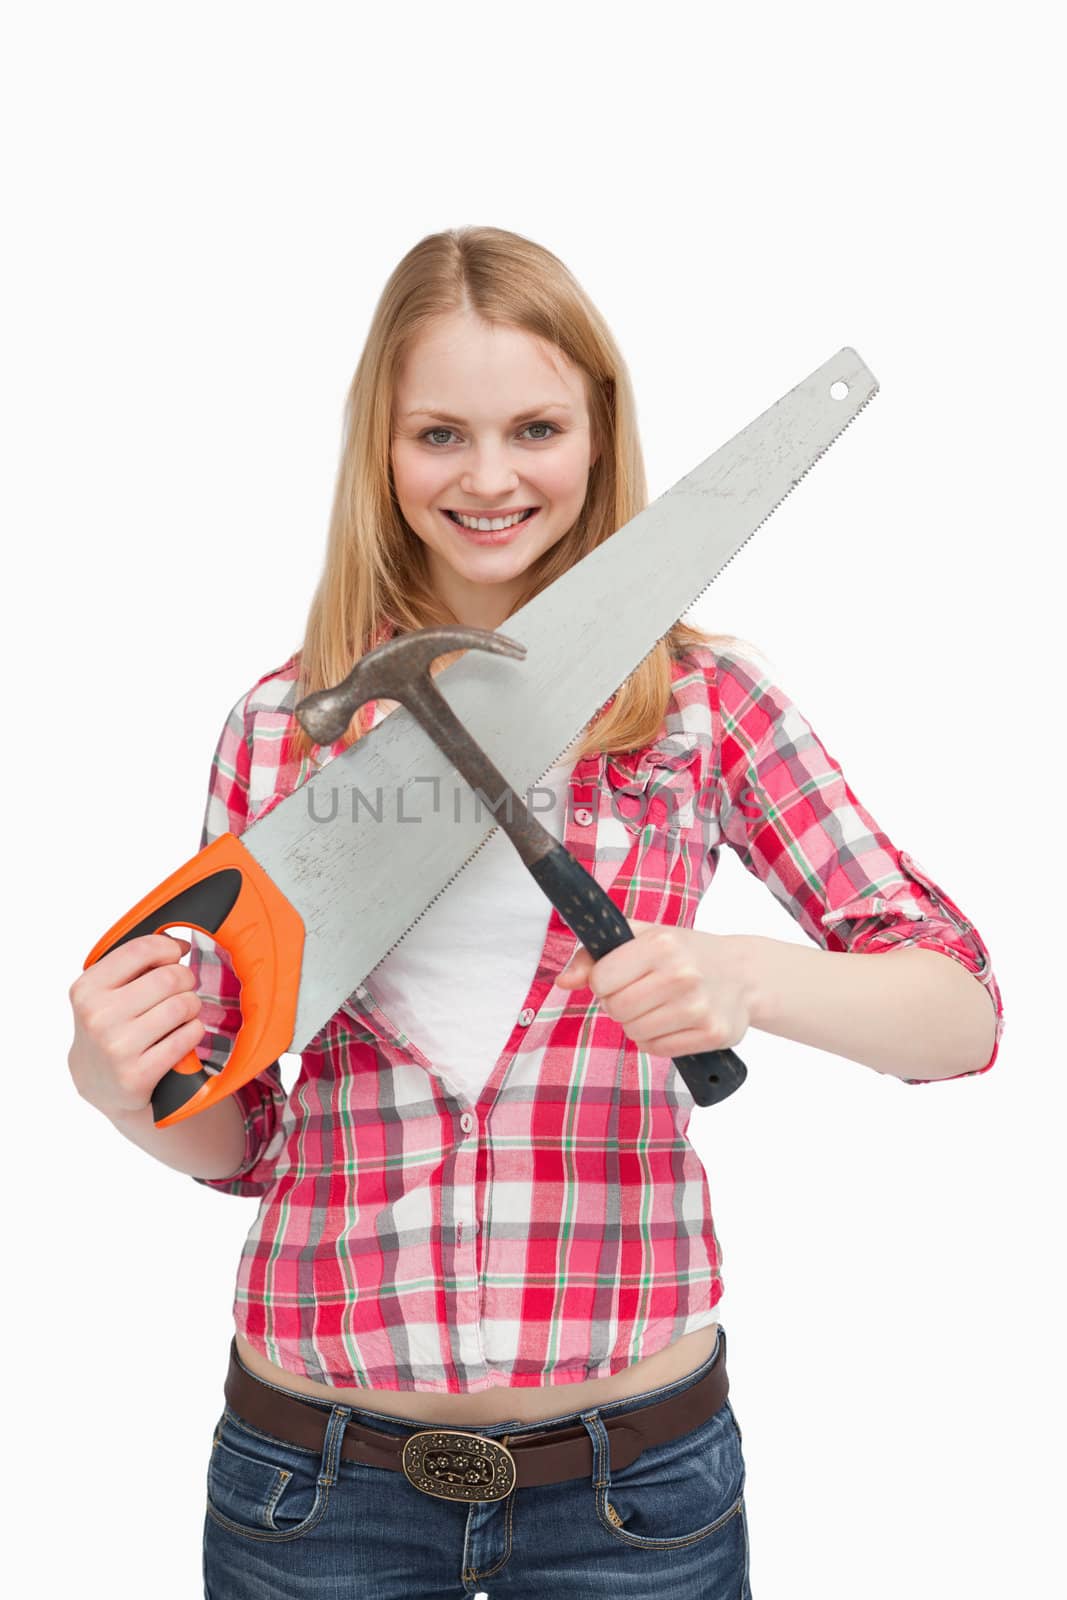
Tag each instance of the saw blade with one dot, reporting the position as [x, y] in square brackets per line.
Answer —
[369, 843]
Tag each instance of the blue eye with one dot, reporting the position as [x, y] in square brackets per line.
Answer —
[427, 435]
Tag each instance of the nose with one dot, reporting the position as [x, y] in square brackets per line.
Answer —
[488, 474]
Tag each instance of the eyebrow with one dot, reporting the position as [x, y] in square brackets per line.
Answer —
[523, 416]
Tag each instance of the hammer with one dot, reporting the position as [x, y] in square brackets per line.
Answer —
[399, 670]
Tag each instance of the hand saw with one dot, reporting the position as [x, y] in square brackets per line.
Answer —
[307, 901]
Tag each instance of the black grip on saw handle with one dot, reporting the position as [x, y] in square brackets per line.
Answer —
[709, 1076]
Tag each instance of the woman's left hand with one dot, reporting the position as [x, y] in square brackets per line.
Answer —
[675, 991]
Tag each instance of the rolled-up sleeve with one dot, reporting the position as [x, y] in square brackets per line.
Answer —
[262, 1100]
[787, 812]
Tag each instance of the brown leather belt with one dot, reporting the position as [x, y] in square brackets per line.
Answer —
[461, 1464]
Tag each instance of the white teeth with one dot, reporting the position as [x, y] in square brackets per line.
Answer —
[487, 525]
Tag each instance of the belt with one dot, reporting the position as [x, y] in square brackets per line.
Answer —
[462, 1464]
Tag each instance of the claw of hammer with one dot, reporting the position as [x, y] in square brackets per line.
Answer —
[399, 670]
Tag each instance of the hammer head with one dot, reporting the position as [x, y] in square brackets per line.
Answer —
[387, 673]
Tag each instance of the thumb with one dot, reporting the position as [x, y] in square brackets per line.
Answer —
[577, 970]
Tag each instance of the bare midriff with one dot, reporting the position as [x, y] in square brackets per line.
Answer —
[678, 1360]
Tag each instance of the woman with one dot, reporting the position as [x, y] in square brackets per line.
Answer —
[481, 1221]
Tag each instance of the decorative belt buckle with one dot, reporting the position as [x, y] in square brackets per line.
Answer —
[458, 1466]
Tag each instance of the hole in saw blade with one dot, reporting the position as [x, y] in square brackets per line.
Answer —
[838, 390]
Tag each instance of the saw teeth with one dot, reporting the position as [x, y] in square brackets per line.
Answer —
[863, 403]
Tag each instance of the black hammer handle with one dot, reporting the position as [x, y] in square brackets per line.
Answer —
[601, 926]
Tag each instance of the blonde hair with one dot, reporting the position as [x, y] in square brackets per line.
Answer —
[375, 580]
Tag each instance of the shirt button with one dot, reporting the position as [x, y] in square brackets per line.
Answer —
[526, 1016]
[583, 817]
[466, 1121]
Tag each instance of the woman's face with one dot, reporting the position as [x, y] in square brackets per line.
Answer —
[488, 421]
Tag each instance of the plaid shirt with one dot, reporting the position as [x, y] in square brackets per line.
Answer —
[560, 1228]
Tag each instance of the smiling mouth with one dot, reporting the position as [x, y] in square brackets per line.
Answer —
[530, 512]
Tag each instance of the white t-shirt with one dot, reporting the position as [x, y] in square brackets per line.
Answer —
[457, 980]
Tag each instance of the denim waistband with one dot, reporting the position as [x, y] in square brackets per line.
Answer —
[386, 1423]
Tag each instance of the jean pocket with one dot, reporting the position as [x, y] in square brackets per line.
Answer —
[680, 1492]
[261, 1487]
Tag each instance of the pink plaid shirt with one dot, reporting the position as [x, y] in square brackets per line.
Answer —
[559, 1228]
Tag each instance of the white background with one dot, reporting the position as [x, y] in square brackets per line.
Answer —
[203, 204]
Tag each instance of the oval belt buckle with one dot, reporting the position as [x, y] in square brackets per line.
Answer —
[458, 1466]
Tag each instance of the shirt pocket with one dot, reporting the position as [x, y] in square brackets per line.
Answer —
[655, 787]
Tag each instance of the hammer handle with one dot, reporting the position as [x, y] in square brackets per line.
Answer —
[709, 1076]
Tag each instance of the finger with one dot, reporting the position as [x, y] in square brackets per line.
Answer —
[156, 1024]
[663, 1021]
[142, 994]
[171, 1049]
[683, 1042]
[135, 957]
[640, 999]
[686, 1037]
[626, 964]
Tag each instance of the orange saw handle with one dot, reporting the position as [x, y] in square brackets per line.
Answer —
[225, 893]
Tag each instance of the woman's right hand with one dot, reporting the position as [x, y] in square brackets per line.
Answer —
[136, 1015]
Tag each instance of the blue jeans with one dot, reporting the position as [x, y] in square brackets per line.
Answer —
[286, 1523]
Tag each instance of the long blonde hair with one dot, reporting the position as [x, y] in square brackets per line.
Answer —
[375, 580]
